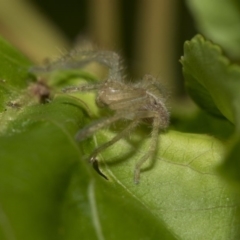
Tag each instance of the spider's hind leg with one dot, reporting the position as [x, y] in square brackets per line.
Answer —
[119, 136]
[151, 150]
[90, 129]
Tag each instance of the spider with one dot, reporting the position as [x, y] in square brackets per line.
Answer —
[142, 101]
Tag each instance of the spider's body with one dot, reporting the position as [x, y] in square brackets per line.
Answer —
[142, 100]
[137, 102]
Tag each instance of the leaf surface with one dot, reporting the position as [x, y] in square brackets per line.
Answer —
[212, 80]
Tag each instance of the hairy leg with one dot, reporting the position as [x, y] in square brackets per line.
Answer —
[151, 150]
[112, 60]
[77, 59]
[83, 88]
[119, 136]
[95, 126]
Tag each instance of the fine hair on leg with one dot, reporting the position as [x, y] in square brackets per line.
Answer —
[120, 135]
[78, 59]
[89, 130]
[151, 150]
[82, 88]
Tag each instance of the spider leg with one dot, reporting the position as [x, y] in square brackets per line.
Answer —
[95, 126]
[122, 134]
[113, 61]
[151, 150]
[77, 59]
[83, 88]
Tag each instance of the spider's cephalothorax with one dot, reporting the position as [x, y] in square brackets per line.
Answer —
[137, 102]
[143, 100]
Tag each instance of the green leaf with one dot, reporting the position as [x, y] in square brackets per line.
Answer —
[13, 75]
[219, 21]
[32, 185]
[182, 187]
[212, 81]
[14, 65]
[203, 123]
[48, 191]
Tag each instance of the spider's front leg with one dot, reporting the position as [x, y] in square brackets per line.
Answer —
[82, 88]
